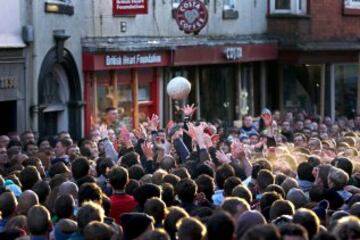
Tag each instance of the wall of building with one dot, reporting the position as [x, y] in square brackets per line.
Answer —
[159, 20]
[325, 21]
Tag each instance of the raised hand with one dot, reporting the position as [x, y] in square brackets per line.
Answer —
[188, 110]
[221, 156]
[153, 122]
[104, 133]
[140, 132]
[147, 149]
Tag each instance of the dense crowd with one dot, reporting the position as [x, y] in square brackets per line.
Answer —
[288, 176]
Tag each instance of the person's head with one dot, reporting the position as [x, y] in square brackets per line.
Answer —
[64, 228]
[64, 206]
[355, 209]
[17, 222]
[190, 229]
[220, 226]
[275, 188]
[68, 188]
[186, 190]
[304, 172]
[8, 204]
[136, 172]
[297, 197]
[31, 148]
[157, 234]
[235, 206]
[130, 159]
[173, 216]
[111, 115]
[337, 178]
[90, 192]
[292, 231]
[145, 192]
[27, 136]
[135, 225]
[344, 164]
[281, 207]
[80, 168]
[27, 200]
[90, 211]
[158, 176]
[206, 185]
[42, 189]
[29, 176]
[230, 184]
[4, 141]
[38, 221]
[156, 208]
[167, 162]
[96, 230]
[247, 121]
[61, 147]
[264, 179]
[243, 192]
[299, 140]
[309, 220]
[246, 221]
[118, 178]
[222, 173]
[263, 232]
[289, 183]
[266, 200]
[347, 228]
[3, 156]
[172, 179]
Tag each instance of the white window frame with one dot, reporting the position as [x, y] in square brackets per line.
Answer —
[297, 7]
[351, 4]
[229, 5]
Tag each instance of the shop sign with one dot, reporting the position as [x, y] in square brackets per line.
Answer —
[7, 82]
[129, 7]
[233, 53]
[135, 59]
[191, 16]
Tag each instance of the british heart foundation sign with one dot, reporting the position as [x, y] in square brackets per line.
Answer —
[129, 7]
[191, 16]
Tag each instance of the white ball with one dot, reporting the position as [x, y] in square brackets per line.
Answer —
[178, 88]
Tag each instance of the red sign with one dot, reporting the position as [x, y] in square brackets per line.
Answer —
[191, 16]
[129, 7]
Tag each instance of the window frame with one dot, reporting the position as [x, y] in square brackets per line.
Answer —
[297, 7]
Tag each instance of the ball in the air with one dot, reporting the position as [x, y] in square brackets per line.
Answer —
[178, 88]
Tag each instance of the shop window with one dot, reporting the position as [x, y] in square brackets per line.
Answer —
[295, 7]
[346, 77]
[230, 11]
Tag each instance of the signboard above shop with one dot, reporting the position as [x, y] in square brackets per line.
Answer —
[129, 7]
[191, 16]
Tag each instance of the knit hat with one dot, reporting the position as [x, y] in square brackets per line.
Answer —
[321, 209]
[10, 185]
[135, 224]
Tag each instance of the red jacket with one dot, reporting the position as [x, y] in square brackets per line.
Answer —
[121, 203]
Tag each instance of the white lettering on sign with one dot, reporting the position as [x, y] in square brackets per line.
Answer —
[233, 53]
[7, 82]
[137, 59]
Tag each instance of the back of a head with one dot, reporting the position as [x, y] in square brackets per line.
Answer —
[96, 230]
[246, 221]
[262, 232]
[145, 192]
[304, 171]
[308, 219]
[344, 164]
[264, 179]
[68, 188]
[27, 200]
[206, 185]
[80, 168]
[235, 205]
[230, 184]
[220, 226]
[8, 204]
[266, 200]
[64, 206]
[173, 216]
[222, 173]
[157, 234]
[29, 176]
[90, 211]
[297, 197]
[64, 228]
[135, 224]
[39, 222]
[156, 208]
[347, 228]
[186, 190]
[118, 177]
[191, 229]
[243, 192]
[281, 207]
[293, 230]
[90, 192]
[42, 189]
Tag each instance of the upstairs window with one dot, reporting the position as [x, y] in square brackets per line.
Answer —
[229, 4]
[295, 7]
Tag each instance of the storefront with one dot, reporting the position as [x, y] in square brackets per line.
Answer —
[132, 78]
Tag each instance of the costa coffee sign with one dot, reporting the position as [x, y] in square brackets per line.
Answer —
[191, 16]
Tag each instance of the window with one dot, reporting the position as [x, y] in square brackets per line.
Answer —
[229, 4]
[352, 4]
[297, 7]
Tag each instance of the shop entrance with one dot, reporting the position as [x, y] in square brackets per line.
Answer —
[8, 120]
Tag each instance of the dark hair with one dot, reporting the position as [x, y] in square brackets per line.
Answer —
[131, 186]
[242, 192]
[168, 194]
[80, 168]
[275, 188]
[130, 159]
[259, 165]
[266, 201]
[42, 189]
[65, 142]
[171, 178]
[344, 164]
[262, 232]
[57, 168]
[205, 185]
[222, 173]
[118, 177]
[64, 206]
[220, 226]
[294, 230]
[308, 220]
[145, 192]
[264, 179]
[102, 165]
[28, 177]
[90, 192]
[174, 215]
[204, 169]
[230, 184]
[280, 178]
[136, 172]
[156, 208]
[304, 172]
[109, 109]
[281, 207]
[186, 190]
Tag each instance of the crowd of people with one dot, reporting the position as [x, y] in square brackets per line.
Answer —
[286, 176]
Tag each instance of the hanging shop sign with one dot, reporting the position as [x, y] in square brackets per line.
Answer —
[129, 7]
[191, 16]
